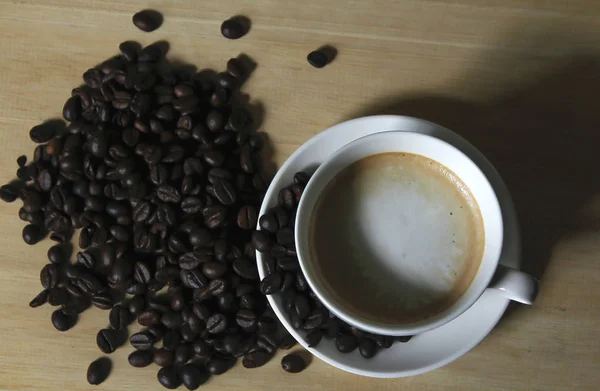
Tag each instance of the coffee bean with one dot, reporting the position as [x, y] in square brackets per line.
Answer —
[317, 59]
[404, 339]
[42, 133]
[218, 366]
[271, 284]
[267, 342]
[49, 276]
[32, 234]
[102, 300]
[293, 363]
[136, 305]
[57, 254]
[147, 20]
[193, 279]
[119, 317]
[140, 358]
[107, 340]
[168, 378]
[149, 317]
[192, 376]
[217, 323]
[214, 270]
[287, 342]
[245, 269]
[256, 359]
[183, 353]
[163, 357]
[232, 29]
[247, 217]
[57, 296]
[346, 343]
[99, 370]
[266, 325]
[141, 341]
[63, 322]
[314, 337]
[261, 241]
[245, 318]
[367, 348]
[288, 263]
[383, 341]
[8, 193]
[40, 299]
[172, 319]
[214, 216]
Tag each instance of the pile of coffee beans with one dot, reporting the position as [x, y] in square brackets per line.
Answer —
[305, 312]
[159, 170]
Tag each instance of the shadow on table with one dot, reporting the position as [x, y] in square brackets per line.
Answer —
[544, 139]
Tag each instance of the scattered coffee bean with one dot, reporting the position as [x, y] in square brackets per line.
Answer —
[232, 29]
[40, 299]
[256, 359]
[168, 378]
[62, 321]
[107, 340]
[317, 59]
[99, 370]
[140, 358]
[293, 363]
[367, 348]
[147, 20]
[192, 377]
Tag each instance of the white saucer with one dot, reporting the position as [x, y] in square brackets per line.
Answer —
[434, 349]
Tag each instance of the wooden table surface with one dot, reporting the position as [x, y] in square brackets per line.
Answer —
[518, 78]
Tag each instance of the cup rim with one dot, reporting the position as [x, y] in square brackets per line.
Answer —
[408, 328]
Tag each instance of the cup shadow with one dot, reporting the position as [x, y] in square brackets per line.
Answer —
[543, 138]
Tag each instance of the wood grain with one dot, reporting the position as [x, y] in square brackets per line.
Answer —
[518, 78]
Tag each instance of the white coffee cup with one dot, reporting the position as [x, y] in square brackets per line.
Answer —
[515, 284]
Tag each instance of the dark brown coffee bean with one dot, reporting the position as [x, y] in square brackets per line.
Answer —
[234, 67]
[99, 370]
[217, 323]
[8, 193]
[246, 159]
[346, 343]
[192, 376]
[285, 236]
[268, 222]
[247, 217]
[261, 241]
[148, 317]
[245, 269]
[213, 157]
[40, 299]
[183, 353]
[49, 276]
[314, 337]
[136, 305]
[163, 357]
[266, 325]
[168, 378]
[293, 363]
[62, 321]
[271, 284]
[404, 338]
[32, 234]
[214, 216]
[193, 279]
[172, 320]
[140, 358]
[147, 20]
[167, 193]
[367, 348]
[256, 359]
[42, 133]
[317, 59]
[102, 300]
[245, 318]
[383, 341]
[218, 366]
[107, 340]
[287, 342]
[214, 270]
[141, 341]
[232, 29]
[171, 339]
[119, 317]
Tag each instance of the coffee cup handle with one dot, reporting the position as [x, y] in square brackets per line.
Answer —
[515, 285]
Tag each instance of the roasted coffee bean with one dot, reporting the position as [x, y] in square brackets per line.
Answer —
[232, 29]
[271, 284]
[192, 377]
[317, 59]
[57, 254]
[49, 276]
[142, 341]
[171, 339]
[246, 159]
[172, 319]
[404, 338]
[142, 273]
[245, 269]
[261, 241]
[85, 259]
[163, 357]
[214, 270]
[40, 299]
[287, 342]
[191, 205]
[99, 370]
[218, 366]
[314, 337]
[183, 353]
[119, 317]
[193, 279]
[32, 234]
[168, 378]
[147, 20]
[214, 216]
[245, 318]
[346, 343]
[383, 341]
[247, 217]
[288, 263]
[267, 342]
[266, 325]
[102, 300]
[148, 317]
[293, 363]
[367, 348]
[42, 133]
[107, 340]
[140, 358]
[136, 305]
[217, 323]
[62, 321]
[256, 359]
[234, 67]
[8, 193]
